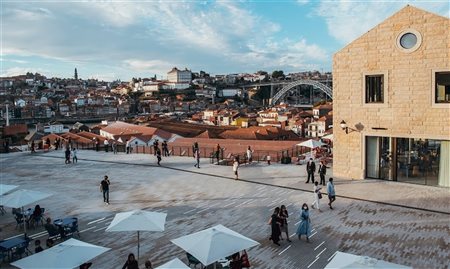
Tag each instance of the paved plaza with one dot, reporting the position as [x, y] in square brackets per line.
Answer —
[400, 223]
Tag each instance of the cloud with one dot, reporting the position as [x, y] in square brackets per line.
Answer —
[302, 2]
[347, 20]
[152, 37]
[15, 71]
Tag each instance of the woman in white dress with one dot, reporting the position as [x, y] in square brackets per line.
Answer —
[317, 196]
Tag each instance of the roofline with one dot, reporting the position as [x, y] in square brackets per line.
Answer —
[408, 5]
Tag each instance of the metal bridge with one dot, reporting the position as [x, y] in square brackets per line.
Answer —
[287, 87]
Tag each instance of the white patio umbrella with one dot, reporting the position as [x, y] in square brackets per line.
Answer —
[66, 255]
[346, 260]
[312, 144]
[213, 244]
[138, 220]
[21, 198]
[330, 136]
[173, 264]
[6, 188]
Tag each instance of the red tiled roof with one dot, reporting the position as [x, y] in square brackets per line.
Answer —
[15, 129]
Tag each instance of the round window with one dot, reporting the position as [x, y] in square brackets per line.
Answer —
[408, 40]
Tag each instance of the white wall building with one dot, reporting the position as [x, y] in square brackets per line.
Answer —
[177, 76]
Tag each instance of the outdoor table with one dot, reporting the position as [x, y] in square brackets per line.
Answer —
[9, 245]
[64, 222]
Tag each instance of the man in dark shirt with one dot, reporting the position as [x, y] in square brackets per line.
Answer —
[310, 169]
[104, 187]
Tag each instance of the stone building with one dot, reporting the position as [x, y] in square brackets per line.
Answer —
[391, 101]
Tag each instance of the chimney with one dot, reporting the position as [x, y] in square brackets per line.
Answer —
[7, 115]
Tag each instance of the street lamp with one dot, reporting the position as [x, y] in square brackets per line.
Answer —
[344, 126]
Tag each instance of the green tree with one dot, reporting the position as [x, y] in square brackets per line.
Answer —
[278, 74]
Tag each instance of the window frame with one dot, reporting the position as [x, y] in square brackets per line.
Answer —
[433, 89]
[415, 47]
[385, 88]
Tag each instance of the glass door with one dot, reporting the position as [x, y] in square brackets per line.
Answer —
[372, 156]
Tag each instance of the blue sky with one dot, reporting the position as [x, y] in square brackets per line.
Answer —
[125, 39]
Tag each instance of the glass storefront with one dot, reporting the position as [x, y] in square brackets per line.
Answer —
[421, 161]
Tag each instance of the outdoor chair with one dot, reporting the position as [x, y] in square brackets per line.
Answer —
[72, 228]
[19, 220]
[193, 260]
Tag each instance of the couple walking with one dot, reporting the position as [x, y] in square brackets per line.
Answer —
[279, 225]
[318, 195]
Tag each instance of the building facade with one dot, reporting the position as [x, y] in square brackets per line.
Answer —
[391, 101]
[179, 76]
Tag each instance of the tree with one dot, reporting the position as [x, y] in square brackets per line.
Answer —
[76, 74]
[278, 74]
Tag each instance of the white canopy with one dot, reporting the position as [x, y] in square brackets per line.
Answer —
[312, 144]
[22, 198]
[213, 244]
[346, 260]
[6, 188]
[136, 221]
[173, 264]
[330, 136]
[66, 255]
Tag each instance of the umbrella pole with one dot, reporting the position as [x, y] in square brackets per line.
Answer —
[138, 245]
[24, 223]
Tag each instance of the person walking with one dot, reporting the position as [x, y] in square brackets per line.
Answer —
[158, 155]
[249, 154]
[195, 146]
[67, 153]
[331, 192]
[284, 215]
[97, 145]
[165, 148]
[197, 158]
[104, 187]
[127, 146]
[33, 146]
[322, 172]
[131, 262]
[275, 223]
[218, 153]
[317, 196]
[114, 147]
[106, 144]
[74, 155]
[268, 158]
[310, 169]
[155, 146]
[305, 223]
[235, 168]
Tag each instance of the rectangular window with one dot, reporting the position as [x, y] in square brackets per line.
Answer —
[442, 87]
[374, 89]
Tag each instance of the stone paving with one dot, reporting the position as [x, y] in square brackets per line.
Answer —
[194, 201]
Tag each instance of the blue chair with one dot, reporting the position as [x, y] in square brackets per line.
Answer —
[19, 219]
[72, 228]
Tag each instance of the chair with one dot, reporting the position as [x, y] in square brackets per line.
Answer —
[19, 219]
[192, 260]
[72, 228]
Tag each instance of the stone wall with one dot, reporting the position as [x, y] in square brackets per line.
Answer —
[407, 110]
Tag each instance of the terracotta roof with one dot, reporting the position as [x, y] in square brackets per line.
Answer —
[91, 136]
[76, 138]
[123, 128]
[15, 130]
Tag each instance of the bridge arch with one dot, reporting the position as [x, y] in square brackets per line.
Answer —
[324, 88]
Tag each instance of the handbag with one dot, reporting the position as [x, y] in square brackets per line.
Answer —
[319, 194]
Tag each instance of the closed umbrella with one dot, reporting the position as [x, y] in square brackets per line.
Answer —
[66, 255]
[6, 188]
[21, 198]
[137, 221]
[213, 244]
[346, 260]
[173, 264]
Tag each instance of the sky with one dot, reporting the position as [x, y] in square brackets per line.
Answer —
[111, 40]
